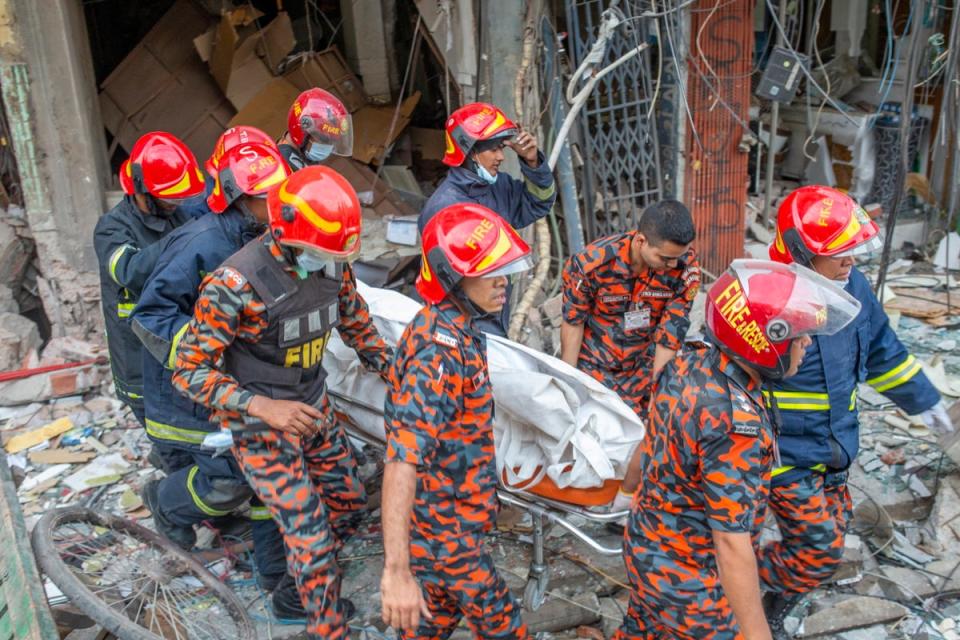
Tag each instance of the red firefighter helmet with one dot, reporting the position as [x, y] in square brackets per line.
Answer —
[467, 241]
[318, 116]
[317, 210]
[162, 166]
[231, 138]
[757, 307]
[248, 169]
[473, 123]
[821, 221]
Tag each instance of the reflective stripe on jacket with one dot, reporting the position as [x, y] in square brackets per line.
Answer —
[818, 405]
[166, 306]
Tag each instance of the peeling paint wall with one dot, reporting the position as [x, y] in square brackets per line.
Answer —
[47, 84]
[718, 86]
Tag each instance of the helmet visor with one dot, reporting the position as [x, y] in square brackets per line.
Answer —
[871, 245]
[815, 305]
[336, 133]
[519, 265]
[320, 255]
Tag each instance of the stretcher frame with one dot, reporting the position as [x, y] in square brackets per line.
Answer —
[542, 511]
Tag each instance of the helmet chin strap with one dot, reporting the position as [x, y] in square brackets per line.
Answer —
[156, 210]
[248, 217]
[465, 303]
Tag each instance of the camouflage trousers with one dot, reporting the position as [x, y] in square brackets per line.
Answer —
[632, 386]
[314, 493]
[671, 600]
[812, 513]
[462, 582]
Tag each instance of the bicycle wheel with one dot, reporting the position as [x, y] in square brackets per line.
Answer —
[133, 582]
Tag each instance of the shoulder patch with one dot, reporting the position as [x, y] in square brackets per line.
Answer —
[746, 429]
[446, 340]
[233, 278]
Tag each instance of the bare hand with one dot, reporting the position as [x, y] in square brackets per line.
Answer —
[526, 147]
[289, 416]
[402, 600]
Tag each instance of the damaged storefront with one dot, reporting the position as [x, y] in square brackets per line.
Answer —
[727, 106]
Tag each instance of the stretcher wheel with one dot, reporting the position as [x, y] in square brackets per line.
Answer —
[535, 593]
[133, 582]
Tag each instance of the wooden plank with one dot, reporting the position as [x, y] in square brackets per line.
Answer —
[21, 589]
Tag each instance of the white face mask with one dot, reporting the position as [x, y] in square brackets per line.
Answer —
[311, 263]
[485, 175]
[316, 152]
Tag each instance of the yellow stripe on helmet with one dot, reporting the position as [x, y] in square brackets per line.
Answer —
[293, 199]
[853, 228]
[276, 177]
[499, 250]
[498, 121]
[182, 185]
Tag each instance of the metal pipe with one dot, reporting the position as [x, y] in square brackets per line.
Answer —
[535, 509]
[566, 180]
[772, 132]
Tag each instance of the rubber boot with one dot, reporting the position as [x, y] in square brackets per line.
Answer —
[183, 537]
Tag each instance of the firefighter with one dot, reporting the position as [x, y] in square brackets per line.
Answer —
[627, 299]
[476, 135]
[253, 354]
[824, 229]
[318, 125]
[711, 445]
[440, 480]
[160, 174]
[211, 486]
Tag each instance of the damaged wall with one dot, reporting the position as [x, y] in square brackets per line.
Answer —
[48, 91]
[720, 61]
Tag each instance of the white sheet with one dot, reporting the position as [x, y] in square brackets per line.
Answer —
[551, 419]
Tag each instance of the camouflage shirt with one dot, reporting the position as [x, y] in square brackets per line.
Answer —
[601, 292]
[439, 417]
[707, 463]
[229, 309]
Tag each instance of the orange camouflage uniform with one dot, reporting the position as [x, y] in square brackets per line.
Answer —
[706, 468]
[439, 416]
[626, 315]
[310, 485]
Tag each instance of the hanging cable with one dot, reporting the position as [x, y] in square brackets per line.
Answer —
[803, 67]
[826, 76]
[906, 126]
[682, 91]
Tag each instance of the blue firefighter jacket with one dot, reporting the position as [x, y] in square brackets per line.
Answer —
[519, 202]
[819, 428]
[127, 243]
[165, 308]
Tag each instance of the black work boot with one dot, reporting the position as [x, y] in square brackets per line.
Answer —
[286, 600]
[777, 606]
[271, 582]
[183, 537]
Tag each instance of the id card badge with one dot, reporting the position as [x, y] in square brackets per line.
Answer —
[637, 320]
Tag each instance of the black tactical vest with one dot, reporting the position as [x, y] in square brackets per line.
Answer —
[286, 363]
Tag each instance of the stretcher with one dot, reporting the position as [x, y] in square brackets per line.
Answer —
[545, 502]
[563, 439]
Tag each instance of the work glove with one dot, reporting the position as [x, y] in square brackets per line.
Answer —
[621, 502]
[937, 419]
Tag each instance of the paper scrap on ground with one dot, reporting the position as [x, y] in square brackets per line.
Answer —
[36, 436]
[61, 456]
[102, 471]
[32, 482]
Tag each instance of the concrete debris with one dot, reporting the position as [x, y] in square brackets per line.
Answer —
[18, 337]
[856, 612]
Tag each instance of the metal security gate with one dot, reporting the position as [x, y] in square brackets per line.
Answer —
[619, 143]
